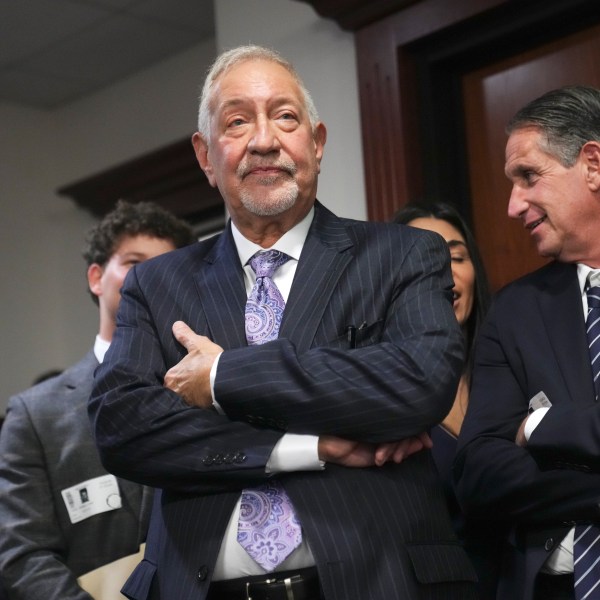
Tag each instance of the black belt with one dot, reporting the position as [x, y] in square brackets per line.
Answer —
[302, 584]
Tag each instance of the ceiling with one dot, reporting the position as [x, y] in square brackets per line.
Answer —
[55, 51]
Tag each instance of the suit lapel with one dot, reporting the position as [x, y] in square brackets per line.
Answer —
[222, 293]
[323, 260]
[562, 312]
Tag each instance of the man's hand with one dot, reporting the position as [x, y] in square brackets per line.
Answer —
[398, 451]
[349, 453]
[190, 377]
[521, 440]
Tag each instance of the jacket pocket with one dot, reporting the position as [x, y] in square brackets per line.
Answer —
[437, 562]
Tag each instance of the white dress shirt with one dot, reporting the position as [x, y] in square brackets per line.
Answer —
[100, 348]
[561, 560]
[292, 452]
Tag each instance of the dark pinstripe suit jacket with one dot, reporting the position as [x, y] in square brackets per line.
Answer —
[376, 533]
[534, 340]
[46, 446]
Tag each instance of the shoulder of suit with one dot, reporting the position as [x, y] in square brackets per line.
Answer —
[541, 276]
[179, 258]
[48, 393]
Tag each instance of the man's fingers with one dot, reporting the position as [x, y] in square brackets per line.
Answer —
[383, 453]
[426, 440]
[183, 334]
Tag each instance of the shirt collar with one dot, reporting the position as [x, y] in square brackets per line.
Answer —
[291, 243]
[100, 348]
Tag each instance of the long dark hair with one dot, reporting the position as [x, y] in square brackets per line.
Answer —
[481, 293]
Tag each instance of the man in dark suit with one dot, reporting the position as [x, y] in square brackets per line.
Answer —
[61, 514]
[529, 449]
[367, 358]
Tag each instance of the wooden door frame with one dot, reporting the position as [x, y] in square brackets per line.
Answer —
[411, 57]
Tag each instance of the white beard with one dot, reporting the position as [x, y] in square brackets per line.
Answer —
[272, 202]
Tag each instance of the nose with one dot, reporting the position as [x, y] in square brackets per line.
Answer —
[264, 138]
[517, 205]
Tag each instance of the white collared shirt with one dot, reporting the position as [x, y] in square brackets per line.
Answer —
[100, 348]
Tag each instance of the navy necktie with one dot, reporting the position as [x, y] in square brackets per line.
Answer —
[586, 548]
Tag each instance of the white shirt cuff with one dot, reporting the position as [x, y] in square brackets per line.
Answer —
[295, 452]
[213, 376]
[534, 420]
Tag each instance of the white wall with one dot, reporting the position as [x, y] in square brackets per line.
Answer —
[47, 319]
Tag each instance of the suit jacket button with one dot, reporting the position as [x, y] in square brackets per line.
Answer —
[202, 572]
[549, 544]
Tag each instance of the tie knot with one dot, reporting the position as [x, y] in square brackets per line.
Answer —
[264, 264]
[593, 297]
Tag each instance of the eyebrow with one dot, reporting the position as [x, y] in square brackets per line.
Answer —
[455, 243]
[274, 101]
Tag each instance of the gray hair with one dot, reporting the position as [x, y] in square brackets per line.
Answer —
[233, 57]
[567, 118]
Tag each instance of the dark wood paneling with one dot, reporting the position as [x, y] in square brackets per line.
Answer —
[170, 176]
[355, 14]
[394, 108]
[492, 95]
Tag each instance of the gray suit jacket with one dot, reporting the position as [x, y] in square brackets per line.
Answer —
[46, 446]
[376, 533]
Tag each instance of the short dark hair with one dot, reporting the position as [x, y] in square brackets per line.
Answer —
[481, 296]
[129, 219]
[567, 118]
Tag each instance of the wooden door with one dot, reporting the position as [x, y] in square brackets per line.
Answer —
[491, 96]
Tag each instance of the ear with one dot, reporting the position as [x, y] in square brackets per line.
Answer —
[201, 150]
[94, 277]
[590, 153]
[320, 137]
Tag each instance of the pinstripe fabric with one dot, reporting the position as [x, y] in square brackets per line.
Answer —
[376, 534]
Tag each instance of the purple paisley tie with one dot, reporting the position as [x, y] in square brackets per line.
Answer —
[268, 528]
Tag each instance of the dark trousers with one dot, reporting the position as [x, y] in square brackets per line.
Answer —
[554, 587]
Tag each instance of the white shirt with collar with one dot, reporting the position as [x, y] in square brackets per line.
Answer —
[292, 452]
[561, 560]
[100, 348]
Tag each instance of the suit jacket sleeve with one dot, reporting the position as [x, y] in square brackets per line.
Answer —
[493, 475]
[399, 381]
[33, 550]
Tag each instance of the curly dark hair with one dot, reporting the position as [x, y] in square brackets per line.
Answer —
[129, 219]
[482, 296]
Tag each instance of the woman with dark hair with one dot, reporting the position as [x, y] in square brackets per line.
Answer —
[467, 266]
[471, 302]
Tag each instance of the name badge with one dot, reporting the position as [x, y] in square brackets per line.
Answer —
[540, 400]
[92, 497]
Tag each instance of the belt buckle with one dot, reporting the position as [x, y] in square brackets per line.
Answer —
[248, 584]
[287, 582]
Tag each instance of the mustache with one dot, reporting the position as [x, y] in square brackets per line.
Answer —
[247, 166]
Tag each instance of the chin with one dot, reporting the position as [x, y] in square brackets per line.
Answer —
[270, 207]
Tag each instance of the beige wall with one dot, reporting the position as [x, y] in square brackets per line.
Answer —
[47, 318]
